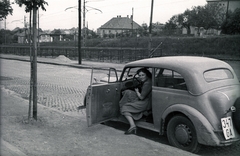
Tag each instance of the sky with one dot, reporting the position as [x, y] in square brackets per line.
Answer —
[63, 14]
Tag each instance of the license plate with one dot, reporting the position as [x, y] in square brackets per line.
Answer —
[227, 127]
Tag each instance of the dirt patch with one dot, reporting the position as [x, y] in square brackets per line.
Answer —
[63, 59]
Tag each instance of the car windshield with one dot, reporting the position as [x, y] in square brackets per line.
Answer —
[217, 74]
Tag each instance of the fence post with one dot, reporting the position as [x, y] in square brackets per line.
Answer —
[52, 52]
[66, 52]
[110, 55]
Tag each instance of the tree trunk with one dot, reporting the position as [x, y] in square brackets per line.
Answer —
[35, 62]
[188, 30]
[31, 68]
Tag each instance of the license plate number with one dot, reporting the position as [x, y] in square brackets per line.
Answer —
[227, 127]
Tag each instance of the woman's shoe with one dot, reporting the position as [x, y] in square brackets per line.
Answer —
[132, 130]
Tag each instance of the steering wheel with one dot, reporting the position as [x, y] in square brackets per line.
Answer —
[136, 81]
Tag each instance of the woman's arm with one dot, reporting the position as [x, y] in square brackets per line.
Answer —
[138, 94]
[146, 89]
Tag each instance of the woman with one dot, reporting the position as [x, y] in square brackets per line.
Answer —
[134, 103]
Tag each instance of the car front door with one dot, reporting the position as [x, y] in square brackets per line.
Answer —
[102, 102]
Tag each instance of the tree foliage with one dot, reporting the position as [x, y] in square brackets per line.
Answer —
[5, 9]
[143, 31]
[232, 23]
[30, 4]
[208, 16]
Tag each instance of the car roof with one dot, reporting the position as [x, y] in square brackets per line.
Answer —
[179, 62]
[191, 68]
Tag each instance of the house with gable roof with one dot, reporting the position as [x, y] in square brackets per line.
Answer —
[118, 25]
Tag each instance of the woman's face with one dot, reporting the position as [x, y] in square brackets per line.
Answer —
[142, 76]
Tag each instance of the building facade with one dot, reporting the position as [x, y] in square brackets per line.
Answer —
[118, 25]
[229, 5]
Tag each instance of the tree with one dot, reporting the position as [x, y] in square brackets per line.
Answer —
[208, 16]
[143, 31]
[57, 31]
[172, 24]
[32, 6]
[5, 9]
[232, 23]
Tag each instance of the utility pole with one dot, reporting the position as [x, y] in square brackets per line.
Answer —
[132, 22]
[35, 61]
[38, 29]
[227, 10]
[150, 30]
[25, 29]
[84, 29]
[79, 32]
[5, 31]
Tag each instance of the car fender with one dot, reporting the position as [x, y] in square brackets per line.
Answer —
[205, 131]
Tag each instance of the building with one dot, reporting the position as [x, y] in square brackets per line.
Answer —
[118, 25]
[44, 37]
[229, 5]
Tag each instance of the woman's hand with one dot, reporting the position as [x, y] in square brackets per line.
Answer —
[138, 94]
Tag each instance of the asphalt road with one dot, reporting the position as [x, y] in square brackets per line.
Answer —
[63, 88]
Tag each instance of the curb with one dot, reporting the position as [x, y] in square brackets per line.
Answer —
[60, 64]
[10, 150]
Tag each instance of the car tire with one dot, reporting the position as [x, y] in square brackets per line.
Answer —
[236, 115]
[181, 133]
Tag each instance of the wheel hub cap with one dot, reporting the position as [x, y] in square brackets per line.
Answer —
[183, 134]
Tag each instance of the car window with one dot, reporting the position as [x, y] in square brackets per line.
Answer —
[217, 74]
[130, 72]
[169, 79]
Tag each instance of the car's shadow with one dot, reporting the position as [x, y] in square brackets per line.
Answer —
[233, 150]
[154, 136]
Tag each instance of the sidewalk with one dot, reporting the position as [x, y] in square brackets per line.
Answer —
[9, 150]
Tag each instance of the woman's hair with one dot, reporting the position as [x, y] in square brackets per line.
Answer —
[146, 71]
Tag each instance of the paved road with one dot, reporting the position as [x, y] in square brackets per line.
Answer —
[63, 88]
[60, 87]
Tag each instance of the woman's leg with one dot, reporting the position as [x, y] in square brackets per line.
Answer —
[133, 128]
[131, 121]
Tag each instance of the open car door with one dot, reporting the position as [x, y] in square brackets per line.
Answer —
[102, 102]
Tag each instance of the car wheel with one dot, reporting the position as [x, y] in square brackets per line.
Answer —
[236, 115]
[182, 134]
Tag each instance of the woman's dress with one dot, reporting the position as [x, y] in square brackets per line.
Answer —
[131, 105]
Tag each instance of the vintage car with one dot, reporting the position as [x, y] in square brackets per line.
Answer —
[195, 100]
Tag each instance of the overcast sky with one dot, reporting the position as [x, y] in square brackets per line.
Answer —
[61, 14]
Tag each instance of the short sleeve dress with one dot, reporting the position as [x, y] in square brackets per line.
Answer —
[131, 105]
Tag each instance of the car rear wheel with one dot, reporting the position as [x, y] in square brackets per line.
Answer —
[182, 134]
